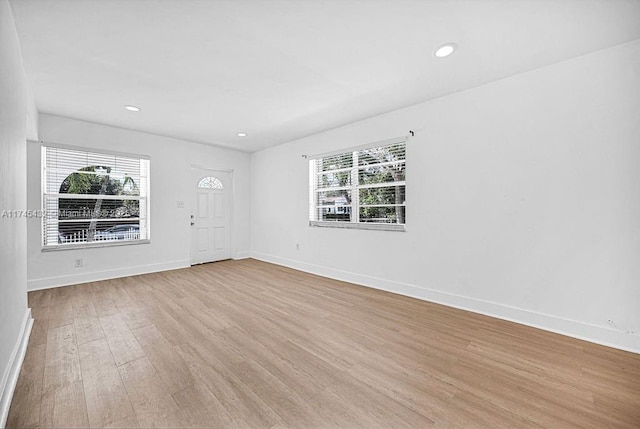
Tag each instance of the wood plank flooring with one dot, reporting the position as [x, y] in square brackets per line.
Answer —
[245, 344]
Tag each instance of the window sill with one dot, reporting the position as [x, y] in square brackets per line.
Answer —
[360, 225]
[76, 246]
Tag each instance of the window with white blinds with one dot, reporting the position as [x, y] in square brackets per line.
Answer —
[360, 188]
[93, 198]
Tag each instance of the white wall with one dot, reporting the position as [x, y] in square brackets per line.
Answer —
[14, 314]
[523, 200]
[171, 161]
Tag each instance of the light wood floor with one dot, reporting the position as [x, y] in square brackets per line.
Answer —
[249, 344]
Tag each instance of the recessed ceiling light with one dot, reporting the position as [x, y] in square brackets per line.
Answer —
[242, 134]
[445, 50]
[132, 108]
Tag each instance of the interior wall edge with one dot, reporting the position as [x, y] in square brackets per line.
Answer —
[242, 255]
[12, 371]
[571, 328]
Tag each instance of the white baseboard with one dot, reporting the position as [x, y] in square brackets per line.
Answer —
[584, 331]
[242, 255]
[12, 371]
[94, 276]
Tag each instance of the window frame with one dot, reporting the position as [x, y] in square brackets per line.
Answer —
[100, 243]
[354, 186]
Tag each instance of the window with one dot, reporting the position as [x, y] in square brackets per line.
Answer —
[210, 183]
[362, 188]
[93, 198]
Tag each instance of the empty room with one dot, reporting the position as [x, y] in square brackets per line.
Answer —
[320, 213]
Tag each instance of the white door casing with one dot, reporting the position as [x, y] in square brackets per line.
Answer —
[210, 215]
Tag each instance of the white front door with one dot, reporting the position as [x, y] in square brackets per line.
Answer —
[210, 215]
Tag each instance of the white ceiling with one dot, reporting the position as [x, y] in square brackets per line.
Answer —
[280, 70]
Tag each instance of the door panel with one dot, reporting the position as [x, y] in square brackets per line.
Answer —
[202, 239]
[203, 204]
[218, 205]
[218, 238]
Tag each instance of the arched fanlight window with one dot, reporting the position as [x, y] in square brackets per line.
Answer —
[210, 183]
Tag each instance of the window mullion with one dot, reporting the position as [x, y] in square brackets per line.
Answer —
[355, 196]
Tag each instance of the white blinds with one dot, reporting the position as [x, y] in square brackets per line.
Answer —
[93, 197]
[364, 185]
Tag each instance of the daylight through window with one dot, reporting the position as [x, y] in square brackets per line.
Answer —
[361, 188]
[92, 198]
[210, 183]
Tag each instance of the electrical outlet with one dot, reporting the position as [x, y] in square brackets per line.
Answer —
[78, 262]
[180, 204]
